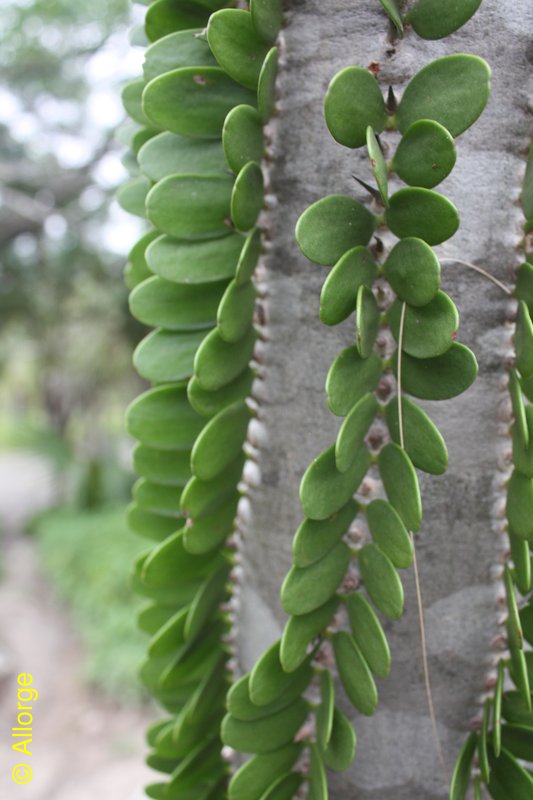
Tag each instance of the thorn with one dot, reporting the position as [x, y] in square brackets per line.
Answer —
[370, 189]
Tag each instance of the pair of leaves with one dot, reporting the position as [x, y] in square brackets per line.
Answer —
[452, 91]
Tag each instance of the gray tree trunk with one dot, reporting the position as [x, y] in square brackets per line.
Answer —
[462, 540]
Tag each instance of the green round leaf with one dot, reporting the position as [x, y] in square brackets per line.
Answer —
[208, 403]
[315, 538]
[200, 262]
[242, 137]
[193, 101]
[349, 378]
[269, 682]
[381, 581]
[266, 89]
[452, 90]
[249, 257]
[338, 296]
[218, 363]
[367, 318]
[162, 466]
[353, 431]
[220, 441]
[524, 283]
[151, 526]
[340, 751]
[413, 271]
[241, 706]
[162, 500]
[324, 711]
[463, 769]
[523, 341]
[170, 154]
[267, 16]
[131, 100]
[236, 45]
[523, 456]
[514, 628]
[426, 154]
[137, 270]
[163, 418]
[284, 788]
[389, 532]
[305, 590]
[318, 782]
[435, 19]
[165, 356]
[324, 490]
[331, 226]
[169, 636]
[166, 16]
[207, 533]
[236, 311]
[422, 213]
[181, 49]
[212, 593]
[247, 196]
[200, 498]
[267, 734]
[520, 674]
[255, 776]
[508, 779]
[520, 505]
[169, 562]
[423, 441]
[354, 673]
[401, 485]
[391, 8]
[131, 196]
[369, 635]
[379, 165]
[518, 740]
[497, 710]
[439, 378]
[301, 630]
[353, 102]
[191, 206]
[176, 306]
[519, 409]
[428, 330]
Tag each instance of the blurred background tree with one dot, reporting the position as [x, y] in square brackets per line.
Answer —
[65, 348]
[66, 336]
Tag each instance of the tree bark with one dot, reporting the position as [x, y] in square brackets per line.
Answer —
[461, 544]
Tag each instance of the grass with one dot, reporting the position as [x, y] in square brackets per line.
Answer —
[88, 556]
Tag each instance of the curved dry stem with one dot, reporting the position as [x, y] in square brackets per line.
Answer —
[481, 271]
[422, 625]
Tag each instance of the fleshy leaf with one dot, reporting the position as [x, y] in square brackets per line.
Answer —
[452, 90]
[331, 226]
[353, 102]
[426, 154]
[422, 213]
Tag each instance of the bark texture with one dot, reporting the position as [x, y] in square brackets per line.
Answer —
[461, 541]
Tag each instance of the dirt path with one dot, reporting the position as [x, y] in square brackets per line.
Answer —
[84, 747]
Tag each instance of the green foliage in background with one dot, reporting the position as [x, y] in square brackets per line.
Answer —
[87, 556]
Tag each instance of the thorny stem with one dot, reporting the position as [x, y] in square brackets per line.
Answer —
[423, 643]
[481, 271]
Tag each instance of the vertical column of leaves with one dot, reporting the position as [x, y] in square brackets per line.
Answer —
[507, 727]
[191, 281]
[336, 231]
